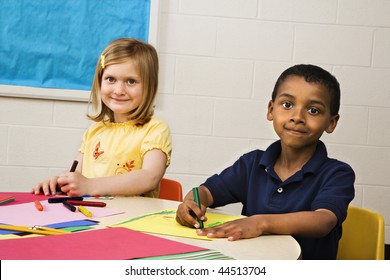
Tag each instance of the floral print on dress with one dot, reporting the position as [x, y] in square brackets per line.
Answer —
[124, 168]
[97, 153]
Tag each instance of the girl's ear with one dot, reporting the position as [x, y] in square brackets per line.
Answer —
[270, 116]
[333, 123]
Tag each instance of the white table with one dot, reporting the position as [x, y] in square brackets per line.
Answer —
[266, 247]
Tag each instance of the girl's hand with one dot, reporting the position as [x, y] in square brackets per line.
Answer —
[188, 211]
[47, 187]
[234, 230]
[74, 184]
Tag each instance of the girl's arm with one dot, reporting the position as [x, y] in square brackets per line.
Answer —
[135, 182]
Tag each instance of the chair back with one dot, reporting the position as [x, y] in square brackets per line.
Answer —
[363, 235]
[171, 190]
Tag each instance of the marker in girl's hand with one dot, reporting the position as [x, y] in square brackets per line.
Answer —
[72, 169]
[74, 166]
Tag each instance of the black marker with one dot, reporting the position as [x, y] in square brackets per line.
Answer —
[72, 169]
[69, 206]
[74, 166]
[64, 198]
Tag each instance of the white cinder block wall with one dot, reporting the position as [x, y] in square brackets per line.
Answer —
[219, 62]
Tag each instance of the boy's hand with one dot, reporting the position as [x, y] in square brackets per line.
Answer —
[233, 230]
[188, 211]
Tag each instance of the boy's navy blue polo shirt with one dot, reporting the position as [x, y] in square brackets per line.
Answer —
[321, 183]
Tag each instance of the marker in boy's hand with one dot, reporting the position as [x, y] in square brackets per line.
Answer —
[197, 200]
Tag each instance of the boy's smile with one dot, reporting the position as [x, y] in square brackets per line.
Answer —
[301, 113]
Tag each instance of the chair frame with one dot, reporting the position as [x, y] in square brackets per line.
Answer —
[170, 190]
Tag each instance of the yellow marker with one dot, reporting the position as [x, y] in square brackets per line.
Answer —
[83, 210]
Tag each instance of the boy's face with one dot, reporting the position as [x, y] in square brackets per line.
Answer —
[301, 112]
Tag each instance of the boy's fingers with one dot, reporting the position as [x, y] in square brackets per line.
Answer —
[222, 231]
[184, 217]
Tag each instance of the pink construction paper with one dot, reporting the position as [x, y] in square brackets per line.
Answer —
[100, 244]
[25, 214]
[23, 197]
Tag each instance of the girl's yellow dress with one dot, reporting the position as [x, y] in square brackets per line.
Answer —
[115, 148]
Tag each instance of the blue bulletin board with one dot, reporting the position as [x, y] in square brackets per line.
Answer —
[56, 43]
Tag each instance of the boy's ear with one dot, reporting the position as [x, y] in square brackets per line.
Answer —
[333, 123]
[270, 117]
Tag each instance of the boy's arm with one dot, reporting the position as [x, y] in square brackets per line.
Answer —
[188, 210]
[316, 223]
[306, 223]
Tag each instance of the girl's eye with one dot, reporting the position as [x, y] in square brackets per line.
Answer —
[287, 105]
[131, 82]
[110, 79]
[313, 111]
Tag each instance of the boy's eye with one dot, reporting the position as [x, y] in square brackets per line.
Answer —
[313, 111]
[287, 105]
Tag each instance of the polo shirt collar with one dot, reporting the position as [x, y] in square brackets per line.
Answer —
[273, 151]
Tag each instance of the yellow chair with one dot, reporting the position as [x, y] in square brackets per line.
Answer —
[363, 236]
[171, 190]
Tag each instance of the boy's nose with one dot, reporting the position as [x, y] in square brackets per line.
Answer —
[298, 115]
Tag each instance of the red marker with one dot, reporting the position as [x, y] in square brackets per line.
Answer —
[86, 203]
[38, 205]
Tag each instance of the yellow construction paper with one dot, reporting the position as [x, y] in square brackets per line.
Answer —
[11, 236]
[164, 222]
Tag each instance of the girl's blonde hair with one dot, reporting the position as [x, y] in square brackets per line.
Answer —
[145, 57]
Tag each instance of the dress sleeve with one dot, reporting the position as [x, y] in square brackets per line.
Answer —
[158, 136]
[84, 140]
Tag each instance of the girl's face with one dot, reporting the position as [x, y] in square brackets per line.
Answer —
[121, 89]
[301, 113]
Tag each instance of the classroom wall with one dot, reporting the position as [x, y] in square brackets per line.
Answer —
[219, 61]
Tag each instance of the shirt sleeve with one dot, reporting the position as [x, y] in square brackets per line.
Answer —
[338, 191]
[231, 185]
[158, 136]
[85, 138]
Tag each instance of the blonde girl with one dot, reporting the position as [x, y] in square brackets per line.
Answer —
[126, 150]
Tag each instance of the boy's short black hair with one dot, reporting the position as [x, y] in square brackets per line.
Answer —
[314, 74]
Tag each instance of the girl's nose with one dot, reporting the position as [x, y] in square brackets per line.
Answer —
[119, 88]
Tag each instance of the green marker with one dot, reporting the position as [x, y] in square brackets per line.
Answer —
[197, 200]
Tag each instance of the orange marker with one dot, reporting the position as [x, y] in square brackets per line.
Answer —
[38, 205]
